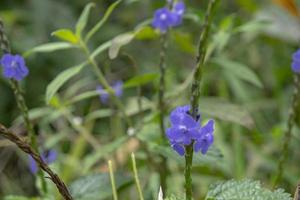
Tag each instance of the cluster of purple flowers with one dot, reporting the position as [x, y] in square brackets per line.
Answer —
[14, 67]
[296, 62]
[104, 95]
[165, 18]
[47, 156]
[186, 130]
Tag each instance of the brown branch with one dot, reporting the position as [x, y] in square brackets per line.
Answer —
[25, 147]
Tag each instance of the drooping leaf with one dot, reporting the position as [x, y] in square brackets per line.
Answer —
[140, 80]
[146, 33]
[49, 47]
[97, 186]
[240, 71]
[246, 190]
[59, 80]
[103, 20]
[66, 35]
[101, 48]
[82, 21]
[118, 42]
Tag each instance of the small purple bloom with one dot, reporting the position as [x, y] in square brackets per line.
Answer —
[164, 18]
[47, 156]
[104, 95]
[185, 130]
[178, 10]
[14, 67]
[296, 62]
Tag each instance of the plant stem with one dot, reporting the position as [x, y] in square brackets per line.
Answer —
[136, 177]
[4, 44]
[195, 94]
[163, 170]
[112, 180]
[288, 132]
[104, 82]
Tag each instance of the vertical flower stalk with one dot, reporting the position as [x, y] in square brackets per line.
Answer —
[291, 118]
[195, 94]
[14, 68]
[164, 19]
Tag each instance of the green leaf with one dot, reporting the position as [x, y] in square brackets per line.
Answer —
[49, 47]
[146, 33]
[103, 20]
[67, 35]
[101, 48]
[173, 197]
[59, 80]
[13, 197]
[140, 80]
[97, 186]
[118, 42]
[82, 21]
[240, 71]
[224, 110]
[246, 190]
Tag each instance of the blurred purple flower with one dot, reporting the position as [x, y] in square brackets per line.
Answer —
[104, 95]
[47, 156]
[296, 62]
[164, 18]
[178, 10]
[14, 67]
[185, 129]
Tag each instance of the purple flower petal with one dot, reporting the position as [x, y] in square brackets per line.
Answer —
[179, 149]
[208, 127]
[118, 88]
[163, 19]
[32, 165]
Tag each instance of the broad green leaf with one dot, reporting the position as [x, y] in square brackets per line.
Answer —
[92, 158]
[239, 70]
[67, 35]
[82, 21]
[184, 42]
[245, 190]
[146, 33]
[13, 197]
[59, 80]
[140, 80]
[118, 42]
[224, 110]
[103, 20]
[173, 197]
[49, 47]
[97, 186]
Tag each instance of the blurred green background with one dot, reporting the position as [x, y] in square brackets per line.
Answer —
[247, 84]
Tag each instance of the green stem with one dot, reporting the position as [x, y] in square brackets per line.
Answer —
[104, 82]
[112, 180]
[188, 172]
[195, 93]
[288, 132]
[163, 170]
[136, 177]
[4, 44]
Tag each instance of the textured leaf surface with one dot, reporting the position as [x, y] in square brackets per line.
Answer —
[244, 190]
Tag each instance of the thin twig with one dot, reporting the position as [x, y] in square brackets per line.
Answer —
[25, 147]
[195, 94]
